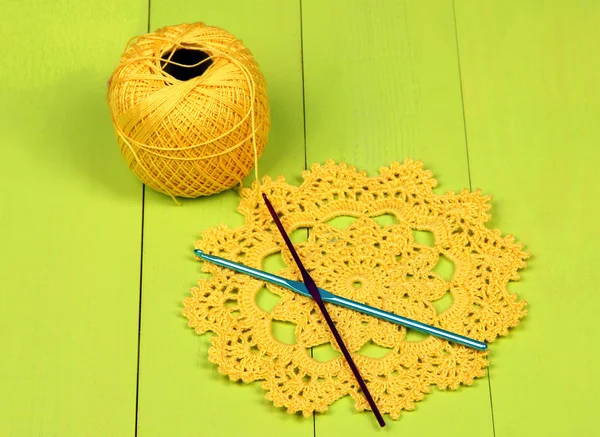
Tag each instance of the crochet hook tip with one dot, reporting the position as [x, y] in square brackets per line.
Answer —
[198, 252]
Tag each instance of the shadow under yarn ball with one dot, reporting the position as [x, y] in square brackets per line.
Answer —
[190, 110]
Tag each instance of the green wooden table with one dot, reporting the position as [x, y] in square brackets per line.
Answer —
[498, 95]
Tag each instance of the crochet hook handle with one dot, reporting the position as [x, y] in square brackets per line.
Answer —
[409, 323]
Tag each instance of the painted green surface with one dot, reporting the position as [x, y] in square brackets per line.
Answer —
[532, 102]
[70, 224]
[502, 96]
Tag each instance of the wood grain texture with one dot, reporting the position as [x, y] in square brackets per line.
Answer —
[530, 76]
[181, 392]
[382, 84]
[70, 224]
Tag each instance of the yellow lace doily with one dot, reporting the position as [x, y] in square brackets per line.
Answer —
[395, 273]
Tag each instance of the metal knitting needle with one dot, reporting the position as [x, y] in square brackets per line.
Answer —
[314, 292]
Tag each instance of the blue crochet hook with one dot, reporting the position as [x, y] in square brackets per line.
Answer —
[328, 297]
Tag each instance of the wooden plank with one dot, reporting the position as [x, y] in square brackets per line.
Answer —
[181, 392]
[530, 76]
[382, 85]
[70, 221]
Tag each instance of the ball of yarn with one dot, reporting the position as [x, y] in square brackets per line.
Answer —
[190, 110]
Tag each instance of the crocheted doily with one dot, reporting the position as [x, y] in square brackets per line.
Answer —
[395, 273]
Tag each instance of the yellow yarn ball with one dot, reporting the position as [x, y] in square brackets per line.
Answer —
[190, 110]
